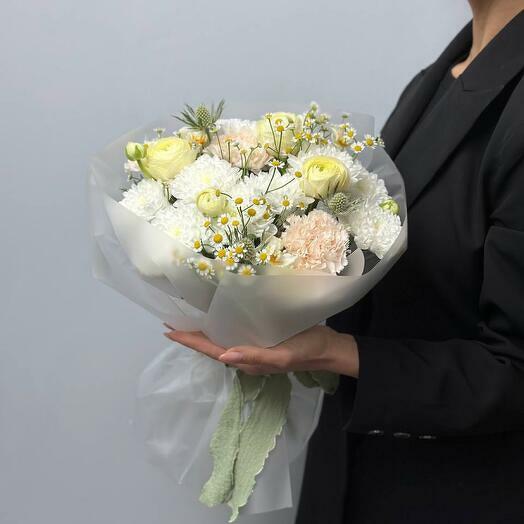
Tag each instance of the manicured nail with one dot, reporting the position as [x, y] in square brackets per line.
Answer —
[231, 357]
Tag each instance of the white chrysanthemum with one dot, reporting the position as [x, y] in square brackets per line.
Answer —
[205, 173]
[183, 223]
[145, 199]
[373, 228]
[369, 187]
[244, 134]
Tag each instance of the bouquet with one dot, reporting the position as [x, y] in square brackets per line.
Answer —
[250, 231]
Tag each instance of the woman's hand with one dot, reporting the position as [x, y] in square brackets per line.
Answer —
[318, 348]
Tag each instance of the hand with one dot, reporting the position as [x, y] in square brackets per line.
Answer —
[318, 348]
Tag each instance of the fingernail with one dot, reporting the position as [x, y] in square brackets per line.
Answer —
[166, 335]
[231, 356]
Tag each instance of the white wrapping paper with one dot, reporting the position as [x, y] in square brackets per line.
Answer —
[181, 394]
[180, 398]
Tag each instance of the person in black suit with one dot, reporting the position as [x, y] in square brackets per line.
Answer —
[428, 423]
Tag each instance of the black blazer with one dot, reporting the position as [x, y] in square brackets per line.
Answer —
[433, 430]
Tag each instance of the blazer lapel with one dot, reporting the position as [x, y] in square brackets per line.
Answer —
[441, 131]
[419, 93]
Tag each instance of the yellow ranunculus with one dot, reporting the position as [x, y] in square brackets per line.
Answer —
[287, 123]
[323, 176]
[166, 157]
[212, 203]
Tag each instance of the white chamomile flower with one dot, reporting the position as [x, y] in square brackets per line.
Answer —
[263, 256]
[351, 133]
[370, 141]
[221, 253]
[230, 262]
[179, 222]
[217, 239]
[373, 228]
[205, 174]
[202, 266]
[246, 270]
[358, 147]
[145, 199]
[196, 245]
[297, 137]
[308, 136]
[276, 163]
[238, 250]
[235, 222]
[224, 219]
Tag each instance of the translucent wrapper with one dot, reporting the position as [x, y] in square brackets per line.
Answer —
[181, 394]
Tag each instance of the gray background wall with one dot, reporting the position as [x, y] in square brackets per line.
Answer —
[74, 75]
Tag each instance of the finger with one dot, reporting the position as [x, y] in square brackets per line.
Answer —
[253, 370]
[278, 359]
[198, 341]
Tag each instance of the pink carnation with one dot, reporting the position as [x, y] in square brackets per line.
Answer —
[318, 241]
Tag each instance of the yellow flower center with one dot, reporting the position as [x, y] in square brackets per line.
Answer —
[251, 212]
[217, 238]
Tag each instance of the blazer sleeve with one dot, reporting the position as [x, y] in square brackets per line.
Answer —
[458, 387]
